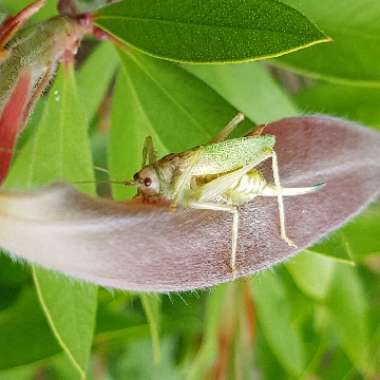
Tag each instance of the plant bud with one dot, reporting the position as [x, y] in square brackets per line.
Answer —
[28, 61]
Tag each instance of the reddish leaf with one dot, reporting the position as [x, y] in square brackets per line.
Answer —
[141, 247]
[12, 119]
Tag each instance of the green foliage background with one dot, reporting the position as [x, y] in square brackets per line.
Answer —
[316, 316]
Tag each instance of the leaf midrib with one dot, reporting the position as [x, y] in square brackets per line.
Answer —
[228, 27]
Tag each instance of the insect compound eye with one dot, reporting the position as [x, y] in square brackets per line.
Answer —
[147, 181]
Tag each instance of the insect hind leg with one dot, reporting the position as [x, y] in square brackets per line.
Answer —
[280, 200]
[227, 130]
[235, 226]
[148, 153]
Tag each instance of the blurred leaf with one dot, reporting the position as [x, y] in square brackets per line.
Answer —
[355, 103]
[209, 31]
[90, 5]
[159, 250]
[207, 351]
[61, 369]
[356, 240]
[159, 95]
[273, 314]
[135, 362]
[25, 334]
[312, 273]
[95, 76]
[47, 11]
[353, 55]
[267, 363]
[249, 87]
[59, 149]
[70, 309]
[151, 304]
[347, 305]
[336, 365]
[2, 17]
[12, 272]
[19, 373]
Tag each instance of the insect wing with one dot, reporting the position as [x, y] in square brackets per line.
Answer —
[232, 154]
[212, 190]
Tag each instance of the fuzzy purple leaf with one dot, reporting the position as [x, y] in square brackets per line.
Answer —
[142, 247]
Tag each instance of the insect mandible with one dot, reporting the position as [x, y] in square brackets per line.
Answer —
[219, 176]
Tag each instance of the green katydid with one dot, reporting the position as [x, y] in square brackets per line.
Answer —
[219, 176]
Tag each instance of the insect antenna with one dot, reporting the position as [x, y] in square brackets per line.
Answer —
[114, 182]
[107, 182]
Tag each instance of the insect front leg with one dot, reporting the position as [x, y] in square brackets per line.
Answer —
[148, 152]
[183, 181]
[280, 200]
[227, 130]
[235, 225]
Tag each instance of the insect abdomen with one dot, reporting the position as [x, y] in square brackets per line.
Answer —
[247, 188]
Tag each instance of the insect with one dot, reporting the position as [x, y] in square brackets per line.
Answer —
[220, 176]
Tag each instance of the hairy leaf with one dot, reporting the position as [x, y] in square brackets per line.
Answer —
[141, 247]
[209, 31]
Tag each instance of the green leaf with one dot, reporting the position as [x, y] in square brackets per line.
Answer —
[95, 76]
[62, 368]
[151, 306]
[248, 87]
[59, 150]
[25, 334]
[356, 240]
[209, 31]
[2, 17]
[15, 6]
[12, 273]
[135, 362]
[19, 373]
[354, 54]
[348, 308]
[312, 273]
[268, 364]
[70, 309]
[208, 348]
[355, 103]
[160, 99]
[274, 316]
